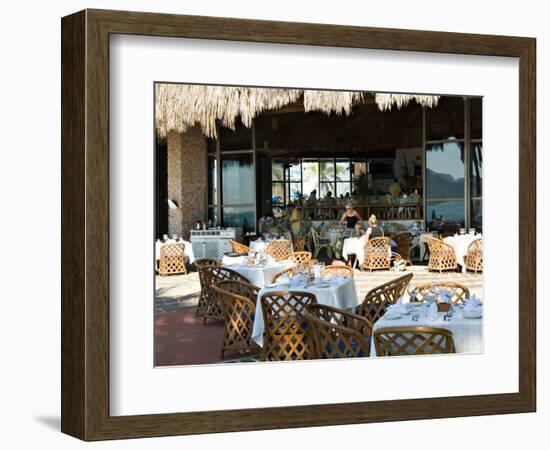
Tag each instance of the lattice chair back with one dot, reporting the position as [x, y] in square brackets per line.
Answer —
[457, 292]
[378, 300]
[403, 242]
[299, 245]
[289, 272]
[213, 275]
[337, 333]
[286, 336]
[474, 257]
[300, 258]
[238, 302]
[442, 255]
[203, 297]
[338, 270]
[172, 259]
[237, 247]
[399, 341]
[279, 249]
[377, 254]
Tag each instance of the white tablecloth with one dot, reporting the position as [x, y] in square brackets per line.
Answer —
[260, 275]
[467, 333]
[422, 242]
[188, 250]
[460, 243]
[356, 246]
[342, 295]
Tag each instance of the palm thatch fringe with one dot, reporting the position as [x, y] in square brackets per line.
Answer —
[180, 106]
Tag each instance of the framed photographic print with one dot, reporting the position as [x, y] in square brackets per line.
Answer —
[272, 225]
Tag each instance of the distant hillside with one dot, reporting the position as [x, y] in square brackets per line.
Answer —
[442, 185]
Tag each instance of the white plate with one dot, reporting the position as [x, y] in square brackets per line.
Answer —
[321, 285]
[393, 316]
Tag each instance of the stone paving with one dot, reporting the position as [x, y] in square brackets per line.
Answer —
[181, 291]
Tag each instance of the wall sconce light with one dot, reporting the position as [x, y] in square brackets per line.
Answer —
[172, 204]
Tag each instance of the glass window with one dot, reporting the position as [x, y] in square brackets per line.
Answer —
[239, 217]
[445, 185]
[212, 185]
[446, 120]
[277, 170]
[476, 214]
[310, 176]
[343, 189]
[213, 216]
[325, 188]
[277, 194]
[476, 117]
[343, 170]
[294, 192]
[358, 168]
[294, 170]
[476, 185]
[237, 179]
[326, 168]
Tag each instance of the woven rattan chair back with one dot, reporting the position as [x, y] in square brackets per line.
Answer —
[238, 302]
[279, 249]
[289, 272]
[286, 336]
[474, 256]
[378, 300]
[337, 333]
[213, 275]
[300, 258]
[377, 254]
[203, 297]
[237, 247]
[172, 259]
[457, 292]
[315, 244]
[442, 255]
[299, 245]
[403, 242]
[399, 341]
[338, 270]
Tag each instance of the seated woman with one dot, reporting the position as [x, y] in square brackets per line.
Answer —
[350, 217]
[375, 230]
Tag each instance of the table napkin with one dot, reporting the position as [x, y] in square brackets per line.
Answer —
[432, 313]
[473, 305]
[399, 307]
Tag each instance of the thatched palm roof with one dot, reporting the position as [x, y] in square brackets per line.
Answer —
[181, 106]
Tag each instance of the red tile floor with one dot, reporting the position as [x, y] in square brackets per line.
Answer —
[181, 338]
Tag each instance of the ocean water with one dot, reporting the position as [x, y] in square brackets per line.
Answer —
[450, 210]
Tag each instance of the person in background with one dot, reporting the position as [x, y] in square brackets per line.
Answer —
[395, 189]
[350, 217]
[374, 230]
[328, 197]
[295, 221]
[312, 199]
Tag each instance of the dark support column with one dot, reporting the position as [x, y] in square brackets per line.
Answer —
[467, 162]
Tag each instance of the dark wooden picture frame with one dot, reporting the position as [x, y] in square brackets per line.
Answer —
[85, 224]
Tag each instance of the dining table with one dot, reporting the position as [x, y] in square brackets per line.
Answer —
[467, 332]
[258, 274]
[339, 292]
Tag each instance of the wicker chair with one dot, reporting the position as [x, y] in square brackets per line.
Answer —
[403, 242]
[377, 254]
[459, 292]
[172, 259]
[474, 256]
[316, 243]
[377, 300]
[279, 249]
[399, 341]
[299, 245]
[291, 271]
[238, 302]
[337, 269]
[203, 297]
[337, 333]
[237, 247]
[286, 337]
[213, 275]
[300, 257]
[442, 255]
